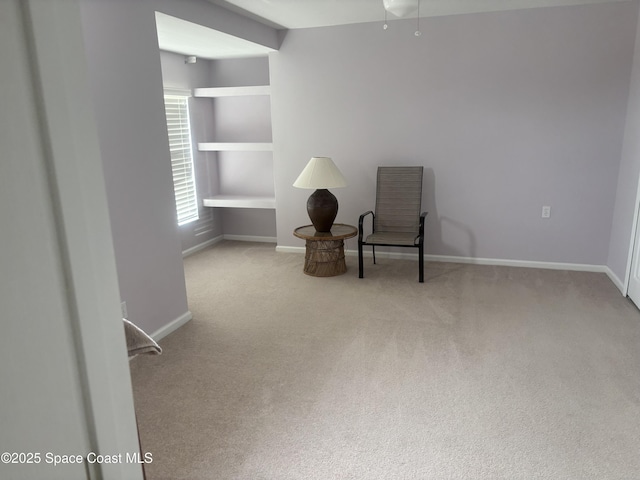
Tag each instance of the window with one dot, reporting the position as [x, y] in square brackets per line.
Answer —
[184, 183]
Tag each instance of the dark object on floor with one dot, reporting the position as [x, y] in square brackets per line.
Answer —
[397, 221]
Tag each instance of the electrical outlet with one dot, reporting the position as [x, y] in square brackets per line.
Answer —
[546, 212]
[123, 309]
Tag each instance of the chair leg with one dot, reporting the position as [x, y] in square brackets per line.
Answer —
[373, 247]
[421, 263]
[360, 266]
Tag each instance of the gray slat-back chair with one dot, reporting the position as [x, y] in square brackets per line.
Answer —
[397, 221]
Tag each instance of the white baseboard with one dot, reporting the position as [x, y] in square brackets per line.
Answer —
[219, 238]
[579, 267]
[616, 280]
[250, 238]
[172, 326]
[281, 249]
[202, 246]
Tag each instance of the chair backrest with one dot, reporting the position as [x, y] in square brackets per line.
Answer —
[398, 199]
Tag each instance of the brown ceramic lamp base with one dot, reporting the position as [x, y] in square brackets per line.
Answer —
[322, 208]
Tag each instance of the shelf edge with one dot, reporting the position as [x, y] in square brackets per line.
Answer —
[240, 202]
[213, 92]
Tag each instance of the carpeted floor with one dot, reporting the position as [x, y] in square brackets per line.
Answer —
[481, 372]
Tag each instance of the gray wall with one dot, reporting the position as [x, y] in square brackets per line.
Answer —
[507, 111]
[621, 229]
[126, 83]
[180, 75]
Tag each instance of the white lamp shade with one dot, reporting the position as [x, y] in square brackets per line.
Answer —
[400, 8]
[320, 172]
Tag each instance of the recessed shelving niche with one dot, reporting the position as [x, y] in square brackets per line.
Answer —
[235, 200]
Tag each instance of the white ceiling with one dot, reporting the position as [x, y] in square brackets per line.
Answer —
[180, 36]
[321, 13]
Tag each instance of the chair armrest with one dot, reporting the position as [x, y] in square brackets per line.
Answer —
[361, 221]
[422, 217]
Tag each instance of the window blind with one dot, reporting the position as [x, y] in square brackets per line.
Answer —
[184, 185]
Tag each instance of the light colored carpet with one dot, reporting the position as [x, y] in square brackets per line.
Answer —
[481, 372]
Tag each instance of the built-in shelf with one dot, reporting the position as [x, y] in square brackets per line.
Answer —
[235, 147]
[231, 91]
[239, 201]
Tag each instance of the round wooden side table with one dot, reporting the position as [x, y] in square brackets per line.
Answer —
[324, 255]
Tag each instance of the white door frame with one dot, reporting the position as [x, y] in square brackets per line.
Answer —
[632, 241]
[72, 155]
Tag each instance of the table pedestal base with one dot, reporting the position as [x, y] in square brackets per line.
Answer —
[324, 258]
[325, 250]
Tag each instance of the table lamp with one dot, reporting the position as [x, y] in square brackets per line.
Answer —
[321, 173]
